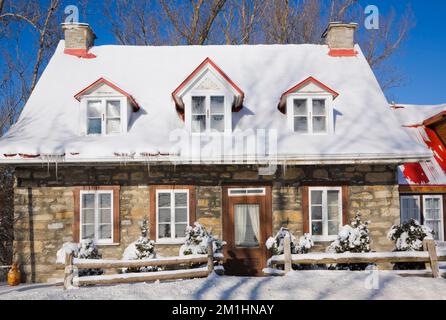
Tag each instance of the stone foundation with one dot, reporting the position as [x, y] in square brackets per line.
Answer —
[44, 207]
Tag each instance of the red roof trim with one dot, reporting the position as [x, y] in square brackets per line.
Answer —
[311, 79]
[198, 69]
[105, 81]
[80, 53]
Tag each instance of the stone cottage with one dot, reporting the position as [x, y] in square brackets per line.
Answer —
[243, 139]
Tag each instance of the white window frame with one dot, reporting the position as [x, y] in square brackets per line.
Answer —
[416, 197]
[440, 197]
[329, 117]
[207, 94]
[172, 239]
[96, 215]
[325, 236]
[245, 192]
[124, 106]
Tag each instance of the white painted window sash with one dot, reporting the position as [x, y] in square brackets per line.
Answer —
[440, 235]
[96, 194]
[325, 236]
[404, 214]
[172, 193]
[104, 117]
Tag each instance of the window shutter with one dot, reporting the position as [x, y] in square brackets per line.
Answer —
[305, 209]
[345, 205]
[116, 216]
[77, 215]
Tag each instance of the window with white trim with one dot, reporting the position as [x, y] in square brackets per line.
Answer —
[104, 116]
[172, 211]
[433, 215]
[325, 205]
[310, 115]
[208, 113]
[96, 216]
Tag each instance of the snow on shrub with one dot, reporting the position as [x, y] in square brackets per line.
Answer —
[197, 238]
[276, 244]
[352, 238]
[86, 249]
[141, 249]
[409, 236]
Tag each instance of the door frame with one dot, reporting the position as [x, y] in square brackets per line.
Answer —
[266, 228]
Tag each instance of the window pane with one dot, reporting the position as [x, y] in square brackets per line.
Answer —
[319, 124]
[164, 231]
[217, 105]
[218, 123]
[88, 201]
[316, 213]
[94, 126]
[333, 205]
[94, 109]
[301, 124]
[198, 123]
[164, 200]
[319, 107]
[105, 216]
[410, 209]
[180, 230]
[198, 105]
[436, 227]
[247, 225]
[105, 232]
[316, 197]
[181, 199]
[300, 107]
[316, 228]
[333, 228]
[180, 215]
[164, 215]
[88, 231]
[88, 216]
[113, 109]
[105, 200]
[113, 125]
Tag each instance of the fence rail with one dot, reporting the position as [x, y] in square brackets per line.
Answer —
[430, 256]
[72, 265]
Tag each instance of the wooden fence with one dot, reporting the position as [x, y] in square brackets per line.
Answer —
[72, 265]
[430, 256]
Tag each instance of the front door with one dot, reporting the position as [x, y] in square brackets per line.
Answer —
[246, 226]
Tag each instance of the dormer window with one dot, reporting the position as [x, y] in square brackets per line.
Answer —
[104, 116]
[206, 100]
[308, 107]
[105, 109]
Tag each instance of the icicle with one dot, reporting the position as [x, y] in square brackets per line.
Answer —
[284, 167]
[148, 168]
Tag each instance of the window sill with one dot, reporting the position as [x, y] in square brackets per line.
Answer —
[108, 244]
[324, 239]
[170, 242]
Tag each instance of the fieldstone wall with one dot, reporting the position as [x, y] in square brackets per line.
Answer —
[44, 205]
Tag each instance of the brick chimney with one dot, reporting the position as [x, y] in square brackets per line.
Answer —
[79, 38]
[340, 38]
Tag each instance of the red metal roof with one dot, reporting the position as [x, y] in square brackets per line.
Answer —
[115, 87]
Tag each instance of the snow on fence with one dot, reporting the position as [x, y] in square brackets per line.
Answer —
[431, 256]
[72, 264]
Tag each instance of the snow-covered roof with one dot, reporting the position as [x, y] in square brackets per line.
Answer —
[365, 129]
[432, 171]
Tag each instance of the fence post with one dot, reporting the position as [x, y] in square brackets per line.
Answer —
[210, 256]
[429, 245]
[287, 253]
[68, 276]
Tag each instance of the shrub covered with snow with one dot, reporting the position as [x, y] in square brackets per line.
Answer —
[354, 238]
[86, 249]
[197, 239]
[276, 244]
[141, 249]
[409, 236]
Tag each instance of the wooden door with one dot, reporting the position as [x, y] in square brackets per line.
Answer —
[246, 226]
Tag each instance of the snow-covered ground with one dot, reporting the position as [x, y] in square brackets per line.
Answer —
[296, 285]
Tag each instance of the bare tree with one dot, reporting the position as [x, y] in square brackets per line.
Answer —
[134, 22]
[192, 21]
[240, 20]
